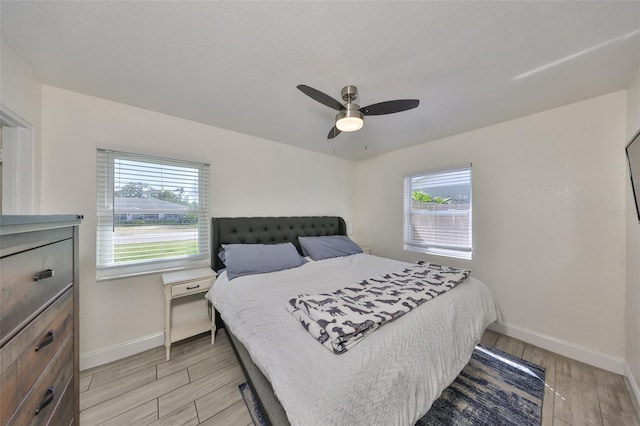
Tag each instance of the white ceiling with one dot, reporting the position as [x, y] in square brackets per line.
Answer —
[235, 65]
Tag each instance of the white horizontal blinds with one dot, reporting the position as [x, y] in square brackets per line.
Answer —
[438, 210]
[150, 209]
[104, 231]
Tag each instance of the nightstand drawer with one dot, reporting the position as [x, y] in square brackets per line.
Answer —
[191, 287]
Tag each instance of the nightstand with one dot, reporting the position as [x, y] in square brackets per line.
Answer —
[182, 284]
[366, 250]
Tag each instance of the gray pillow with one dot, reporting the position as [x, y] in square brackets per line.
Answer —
[221, 254]
[319, 248]
[249, 259]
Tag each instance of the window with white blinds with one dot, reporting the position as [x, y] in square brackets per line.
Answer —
[153, 214]
[437, 207]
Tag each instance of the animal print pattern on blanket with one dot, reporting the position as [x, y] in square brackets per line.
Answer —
[341, 319]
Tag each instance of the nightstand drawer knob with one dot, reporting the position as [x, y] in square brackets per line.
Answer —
[47, 339]
[193, 287]
[47, 399]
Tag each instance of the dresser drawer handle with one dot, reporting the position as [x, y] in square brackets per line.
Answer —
[48, 273]
[44, 342]
[195, 286]
[47, 399]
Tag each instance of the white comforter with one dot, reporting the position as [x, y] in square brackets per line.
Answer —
[391, 378]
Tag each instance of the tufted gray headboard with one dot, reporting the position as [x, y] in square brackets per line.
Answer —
[269, 230]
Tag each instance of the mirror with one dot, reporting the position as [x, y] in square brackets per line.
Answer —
[633, 157]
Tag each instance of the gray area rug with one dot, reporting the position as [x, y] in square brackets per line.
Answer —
[494, 388]
[252, 405]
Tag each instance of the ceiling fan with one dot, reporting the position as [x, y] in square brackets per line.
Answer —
[350, 116]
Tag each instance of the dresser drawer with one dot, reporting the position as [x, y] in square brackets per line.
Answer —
[191, 287]
[63, 413]
[27, 286]
[49, 387]
[15, 243]
[22, 363]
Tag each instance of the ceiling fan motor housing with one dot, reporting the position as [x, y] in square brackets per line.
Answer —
[349, 93]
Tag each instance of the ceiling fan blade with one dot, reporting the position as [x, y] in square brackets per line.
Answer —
[333, 132]
[320, 97]
[390, 107]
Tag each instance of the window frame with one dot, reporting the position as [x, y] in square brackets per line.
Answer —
[106, 213]
[463, 253]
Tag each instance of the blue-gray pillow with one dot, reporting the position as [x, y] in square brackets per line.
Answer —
[319, 248]
[221, 254]
[249, 259]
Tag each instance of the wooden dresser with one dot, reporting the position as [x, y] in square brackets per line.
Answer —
[39, 320]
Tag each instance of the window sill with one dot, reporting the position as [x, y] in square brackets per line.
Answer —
[455, 254]
[132, 272]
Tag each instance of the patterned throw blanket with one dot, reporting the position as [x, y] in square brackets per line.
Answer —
[344, 317]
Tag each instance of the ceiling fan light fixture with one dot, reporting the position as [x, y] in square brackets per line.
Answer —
[350, 116]
[349, 120]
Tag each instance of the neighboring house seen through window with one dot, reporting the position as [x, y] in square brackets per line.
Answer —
[437, 207]
[153, 214]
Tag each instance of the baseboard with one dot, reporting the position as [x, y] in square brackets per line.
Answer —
[122, 350]
[568, 349]
[632, 384]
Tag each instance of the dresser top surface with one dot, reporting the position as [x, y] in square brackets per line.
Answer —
[38, 219]
[10, 224]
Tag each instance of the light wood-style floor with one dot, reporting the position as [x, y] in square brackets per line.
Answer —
[200, 386]
[575, 393]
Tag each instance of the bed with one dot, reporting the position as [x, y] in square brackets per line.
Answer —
[391, 377]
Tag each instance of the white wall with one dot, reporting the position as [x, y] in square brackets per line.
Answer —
[250, 176]
[547, 240]
[632, 307]
[20, 91]
[554, 256]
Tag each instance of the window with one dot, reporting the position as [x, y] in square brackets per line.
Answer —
[437, 207]
[153, 214]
